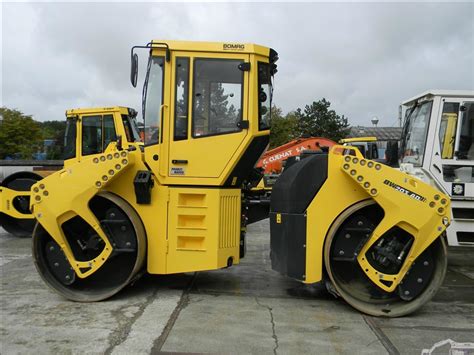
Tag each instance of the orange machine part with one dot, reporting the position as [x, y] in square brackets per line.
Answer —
[271, 161]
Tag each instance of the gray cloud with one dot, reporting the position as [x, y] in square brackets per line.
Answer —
[363, 57]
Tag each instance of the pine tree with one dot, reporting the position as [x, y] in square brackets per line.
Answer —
[317, 120]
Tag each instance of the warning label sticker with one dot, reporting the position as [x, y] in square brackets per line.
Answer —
[177, 171]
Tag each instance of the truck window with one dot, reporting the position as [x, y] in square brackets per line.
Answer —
[466, 135]
[91, 135]
[217, 96]
[131, 129]
[415, 133]
[447, 129]
[181, 101]
[97, 133]
[109, 131]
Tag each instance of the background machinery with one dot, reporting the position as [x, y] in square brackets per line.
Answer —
[438, 147]
[15, 214]
[272, 161]
[169, 206]
[367, 146]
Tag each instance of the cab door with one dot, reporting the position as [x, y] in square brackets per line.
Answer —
[210, 107]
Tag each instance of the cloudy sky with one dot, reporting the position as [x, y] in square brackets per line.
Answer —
[365, 58]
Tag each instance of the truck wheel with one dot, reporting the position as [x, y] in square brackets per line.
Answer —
[126, 233]
[353, 227]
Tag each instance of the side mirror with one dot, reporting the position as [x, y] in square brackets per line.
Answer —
[134, 70]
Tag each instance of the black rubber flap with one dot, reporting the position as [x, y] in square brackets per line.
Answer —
[296, 187]
[288, 244]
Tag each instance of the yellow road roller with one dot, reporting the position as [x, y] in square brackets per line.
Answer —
[180, 201]
[15, 190]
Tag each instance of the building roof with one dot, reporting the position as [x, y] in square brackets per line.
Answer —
[381, 133]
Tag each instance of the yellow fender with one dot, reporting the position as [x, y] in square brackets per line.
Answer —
[408, 203]
[72, 188]
[6, 203]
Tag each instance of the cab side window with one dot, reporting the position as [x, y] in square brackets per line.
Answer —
[217, 96]
[109, 131]
[181, 103]
[466, 136]
[264, 96]
[447, 129]
[97, 132]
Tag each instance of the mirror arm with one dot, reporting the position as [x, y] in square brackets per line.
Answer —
[134, 58]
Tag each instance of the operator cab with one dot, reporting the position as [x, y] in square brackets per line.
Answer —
[438, 146]
[206, 110]
[90, 131]
[366, 145]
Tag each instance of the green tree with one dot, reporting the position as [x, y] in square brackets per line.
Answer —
[317, 120]
[211, 106]
[283, 128]
[51, 129]
[54, 130]
[20, 135]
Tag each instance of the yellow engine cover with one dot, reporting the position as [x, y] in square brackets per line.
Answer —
[203, 229]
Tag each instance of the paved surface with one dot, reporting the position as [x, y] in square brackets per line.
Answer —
[244, 309]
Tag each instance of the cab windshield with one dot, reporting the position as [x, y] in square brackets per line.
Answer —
[414, 133]
[131, 128]
[153, 99]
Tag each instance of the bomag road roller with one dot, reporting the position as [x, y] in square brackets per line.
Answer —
[180, 201]
[115, 122]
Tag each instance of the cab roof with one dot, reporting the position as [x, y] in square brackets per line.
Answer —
[222, 47]
[358, 139]
[81, 111]
[444, 93]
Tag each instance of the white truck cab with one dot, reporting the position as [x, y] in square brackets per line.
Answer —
[438, 147]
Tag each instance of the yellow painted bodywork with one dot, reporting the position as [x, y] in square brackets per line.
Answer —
[215, 47]
[193, 222]
[203, 228]
[6, 203]
[8, 195]
[356, 179]
[211, 159]
[80, 113]
[188, 229]
[358, 139]
[66, 194]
